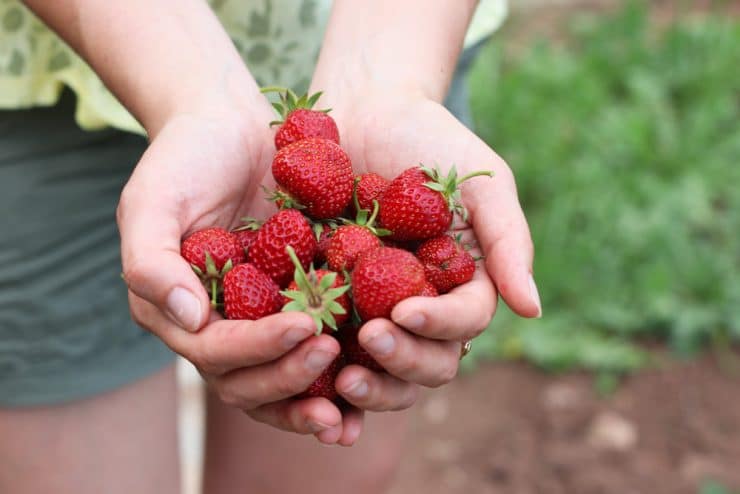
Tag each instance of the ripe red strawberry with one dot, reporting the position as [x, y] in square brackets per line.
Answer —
[419, 203]
[221, 245]
[320, 294]
[383, 277]
[353, 352]
[267, 253]
[352, 239]
[250, 294]
[323, 386]
[428, 291]
[446, 263]
[299, 120]
[369, 187]
[212, 252]
[348, 242]
[247, 233]
[317, 174]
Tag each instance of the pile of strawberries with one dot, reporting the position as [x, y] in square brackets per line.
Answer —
[309, 257]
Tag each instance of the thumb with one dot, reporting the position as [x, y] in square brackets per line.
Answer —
[152, 266]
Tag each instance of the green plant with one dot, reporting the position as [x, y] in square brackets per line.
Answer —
[626, 146]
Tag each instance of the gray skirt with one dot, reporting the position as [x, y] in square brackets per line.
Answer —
[65, 329]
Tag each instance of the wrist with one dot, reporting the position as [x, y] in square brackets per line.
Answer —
[233, 99]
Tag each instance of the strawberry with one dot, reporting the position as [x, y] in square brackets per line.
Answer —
[250, 294]
[352, 239]
[212, 252]
[428, 291]
[267, 253]
[348, 242]
[323, 386]
[317, 174]
[383, 277]
[419, 203]
[299, 120]
[353, 352]
[446, 263]
[247, 233]
[320, 294]
[369, 187]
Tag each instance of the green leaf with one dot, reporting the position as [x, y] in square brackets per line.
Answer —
[292, 307]
[313, 99]
[327, 281]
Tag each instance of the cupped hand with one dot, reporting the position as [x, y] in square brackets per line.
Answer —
[202, 170]
[385, 132]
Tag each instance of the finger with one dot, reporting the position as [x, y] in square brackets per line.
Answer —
[504, 237]
[409, 357]
[352, 421]
[377, 392]
[152, 266]
[222, 345]
[472, 303]
[332, 435]
[283, 378]
[308, 416]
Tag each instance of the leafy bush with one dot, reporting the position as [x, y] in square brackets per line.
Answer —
[626, 147]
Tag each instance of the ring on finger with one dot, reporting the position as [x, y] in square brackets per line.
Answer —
[465, 348]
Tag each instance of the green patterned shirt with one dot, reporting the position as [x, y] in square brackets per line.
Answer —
[278, 42]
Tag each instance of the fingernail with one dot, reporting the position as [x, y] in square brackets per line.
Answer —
[294, 336]
[315, 426]
[184, 308]
[357, 389]
[535, 295]
[382, 343]
[317, 360]
[414, 320]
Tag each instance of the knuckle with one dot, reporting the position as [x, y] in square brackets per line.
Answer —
[408, 398]
[137, 317]
[478, 326]
[134, 271]
[204, 359]
[287, 382]
[445, 375]
[408, 363]
[122, 207]
[229, 397]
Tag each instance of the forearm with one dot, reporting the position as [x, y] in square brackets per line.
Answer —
[412, 45]
[159, 57]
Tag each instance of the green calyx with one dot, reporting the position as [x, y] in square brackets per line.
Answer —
[282, 199]
[289, 102]
[318, 228]
[212, 277]
[315, 297]
[449, 186]
[364, 217]
[248, 223]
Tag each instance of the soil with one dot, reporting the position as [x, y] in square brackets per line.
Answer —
[510, 429]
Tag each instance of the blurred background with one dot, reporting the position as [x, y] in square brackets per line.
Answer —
[621, 120]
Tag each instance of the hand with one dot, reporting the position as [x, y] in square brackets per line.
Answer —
[204, 169]
[387, 131]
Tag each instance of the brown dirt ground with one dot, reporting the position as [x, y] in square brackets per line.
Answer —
[510, 429]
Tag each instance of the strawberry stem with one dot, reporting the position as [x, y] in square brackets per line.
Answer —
[479, 173]
[214, 293]
[273, 89]
[376, 209]
[302, 279]
[355, 201]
